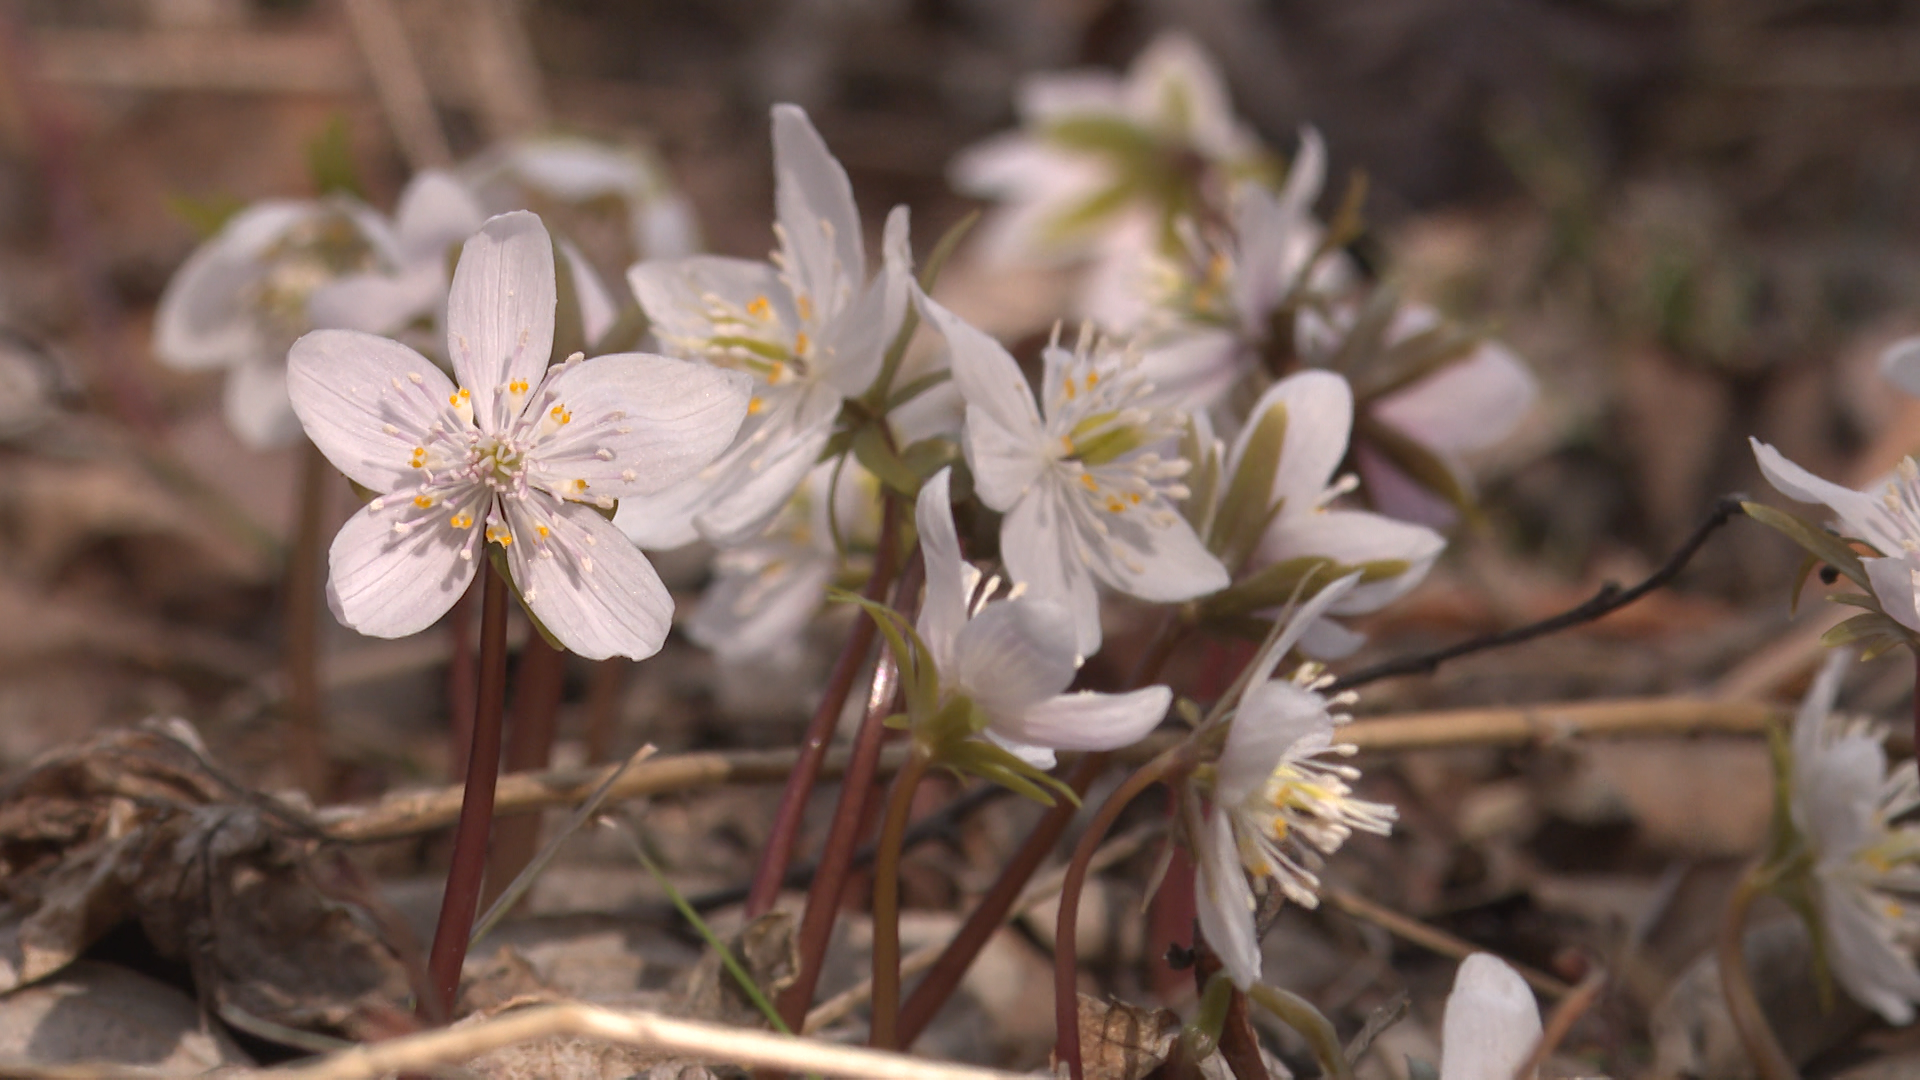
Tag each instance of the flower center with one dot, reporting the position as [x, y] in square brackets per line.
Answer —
[1104, 425]
[501, 464]
[309, 255]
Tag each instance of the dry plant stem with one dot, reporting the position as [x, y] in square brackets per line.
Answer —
[1916, 698]
[1737, 984]
[778, 853]
[886, 902]
[1432, 938]
[459, 902]
[1066, 970]
[306, 730]
[1561, 1021]
[538, 681]
[1609, 599]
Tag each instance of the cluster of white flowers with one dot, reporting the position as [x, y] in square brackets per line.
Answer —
[766, 422]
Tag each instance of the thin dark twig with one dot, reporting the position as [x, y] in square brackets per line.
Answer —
[1609, 599]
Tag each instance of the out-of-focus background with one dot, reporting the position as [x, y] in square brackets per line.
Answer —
[1695, 220]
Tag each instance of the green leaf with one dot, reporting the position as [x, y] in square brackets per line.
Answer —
[1420, 464]
[205, 216]
[330, 161]
[930, 455]
[1299, 577]
[1813, 539]
[874, 449]
[1248, 506]
[1868, 626]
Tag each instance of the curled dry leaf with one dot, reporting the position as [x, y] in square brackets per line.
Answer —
[132, 827]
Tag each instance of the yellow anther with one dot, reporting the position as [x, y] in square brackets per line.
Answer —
[461, 521]
[1087, 479]
[1093, 379]
[804, 306]
[1133, 497]
[759, 308]
[543, 531]
[1066, 445]
[454, 399]
[1114, 506]
[800, 343]
[422, 501]
[1072, 390]
[419, 457]
[561, 414]
[754, 405]
[579, 487]
[777, 372]
[500, 536]
[517, 386]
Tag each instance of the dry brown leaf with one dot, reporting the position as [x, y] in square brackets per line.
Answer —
[101, 1012]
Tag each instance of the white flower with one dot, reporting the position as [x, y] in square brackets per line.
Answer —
[434, 215]
[241, 298]
[1278, 808]
[810, 328]
[1466, 406]
[518, 454]
[579, 171]
[1319, 421]
[1492, 1023]
[1890, 522]
[1085, 489]
[1900, 364]
[1014, 658]
[1866, 869]
[768, 589]
[1099, 161]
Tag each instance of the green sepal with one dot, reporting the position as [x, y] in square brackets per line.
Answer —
[872, 448]
[1210, 1019]
[1091, 134]
[1366, 338]
[1248, 506]
[994, 764]
[1406, 362]
[1813, 539]
[1420, 464]
[922, 682]
[1203, 481]
[1878, 631]
[1296, 578]
[330, 161]
[207, 216]
[497, 558]
[929, 456]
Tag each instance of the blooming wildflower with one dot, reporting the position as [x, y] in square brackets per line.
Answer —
[1889, 522]
[1278, 805]
[241, 298]
[580, 171]
[1492, 1023]
[1014, 658]
[1866, 870]
[517, 454]
[1466, 406]
[435, 213]
[1103, 164]
[810, 329]
[1319, 421]
[768, 589]
[1084, 485]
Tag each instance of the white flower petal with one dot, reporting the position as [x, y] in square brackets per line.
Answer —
[814, 203]
[1465, 406]
[598, 311]
[944, 611]
[1037, 548]
[1877, 970]
[1352, 537]
[1192, 369]
[256, 404]
[500, 311]
[379, 303]
[1897, 587]
[1327, 641]
[388, 582]
[746, 615]
[1087, 720]
[599, 600]
[366, 402]
[1151, 552]
[1005, 463]
[1224, 902]
[435, 212]
[640, 423]
[987, 376]
[204, 318]
[1272, 719]
[853, 345]
[1491, 1023]
[1300, 621]
[1900, 364]
[675, 295]
[1861, 515]
[1011, 656]
[1319, 421]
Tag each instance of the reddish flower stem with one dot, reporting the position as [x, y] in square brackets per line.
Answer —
[849, 822]
[886, 902]
[461, 680]
[539, 680]
[306, 726]
[458, 904]
[781, 840]
[1066, 968]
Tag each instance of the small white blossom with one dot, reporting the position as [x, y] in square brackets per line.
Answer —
[1279, 806]
[1492, 1023]
[1889, 521]
[1319, 422]
[1866, 869]
[241, 299]
[810, 328]
[1099, 156]
[564, 169]
[435, 213]
[1015, 657]
[1087, 479]
[518, 454]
